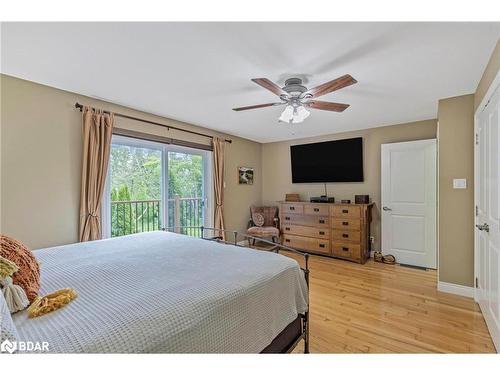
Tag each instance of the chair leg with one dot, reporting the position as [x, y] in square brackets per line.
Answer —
[253, 242]
[274, 239]
[249, 242]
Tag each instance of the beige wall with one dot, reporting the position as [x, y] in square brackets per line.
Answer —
[277, 173]
[41, 162]
[489, 75]
[456, 219]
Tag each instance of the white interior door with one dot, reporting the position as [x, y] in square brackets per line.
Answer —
[409, 202]
[487, 231]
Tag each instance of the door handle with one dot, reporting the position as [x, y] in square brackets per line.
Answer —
[484, 227]
[385, 208]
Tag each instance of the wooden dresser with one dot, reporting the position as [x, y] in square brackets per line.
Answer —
[333, 229]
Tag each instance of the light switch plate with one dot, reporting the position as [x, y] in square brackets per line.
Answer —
[459, 183]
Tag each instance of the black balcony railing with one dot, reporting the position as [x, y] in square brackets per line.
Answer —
[128, 217]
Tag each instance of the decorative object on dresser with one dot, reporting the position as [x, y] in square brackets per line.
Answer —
[362, 199]
[263, 223]
[292, 197]
[345, 201]
[332, 229]
[322, 199]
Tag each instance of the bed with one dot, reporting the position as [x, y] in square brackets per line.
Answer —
[161, 292]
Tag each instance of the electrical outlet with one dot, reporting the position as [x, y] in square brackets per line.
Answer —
[372, 239]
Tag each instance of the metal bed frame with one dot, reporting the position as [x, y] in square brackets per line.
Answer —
[276, 247]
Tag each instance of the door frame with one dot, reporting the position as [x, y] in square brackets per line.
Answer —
[487, 97]
[433, 141]
[164, 148]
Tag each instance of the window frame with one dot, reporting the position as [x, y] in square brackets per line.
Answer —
[207, 187]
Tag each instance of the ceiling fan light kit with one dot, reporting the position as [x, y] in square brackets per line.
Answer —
[297, 97]
[294, 115]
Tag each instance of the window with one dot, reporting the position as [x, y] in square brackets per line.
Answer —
[151, 186]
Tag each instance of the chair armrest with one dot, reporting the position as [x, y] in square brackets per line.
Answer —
[276, 222]
[250, 223]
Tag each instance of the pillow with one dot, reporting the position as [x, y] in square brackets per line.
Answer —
[28, 276]
[7, 268]
[14, 295]
[258, 219]
[7, 328]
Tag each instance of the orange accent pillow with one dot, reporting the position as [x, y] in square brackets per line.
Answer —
[28, 276]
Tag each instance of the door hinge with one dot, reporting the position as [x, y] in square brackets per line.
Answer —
[477, 210]
[477, 139]
[477, 282]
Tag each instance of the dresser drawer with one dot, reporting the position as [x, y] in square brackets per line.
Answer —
[346, 250]
[346, 211]
[346, 235]
[346, 224]
[292, 208]
[305, 243]
[322, 233]
[316, 209]
[306, 220]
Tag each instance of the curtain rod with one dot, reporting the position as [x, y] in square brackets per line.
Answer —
[80, 107]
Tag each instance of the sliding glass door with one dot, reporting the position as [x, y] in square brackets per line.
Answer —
[152, 186]
[187, 200]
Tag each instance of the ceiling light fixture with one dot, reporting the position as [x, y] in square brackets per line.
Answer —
[294, 114]
[296, 97]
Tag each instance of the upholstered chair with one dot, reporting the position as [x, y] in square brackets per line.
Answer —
[263, 223]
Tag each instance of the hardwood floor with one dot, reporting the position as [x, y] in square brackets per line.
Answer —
[379, 308]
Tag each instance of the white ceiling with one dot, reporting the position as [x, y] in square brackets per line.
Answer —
[197, 72]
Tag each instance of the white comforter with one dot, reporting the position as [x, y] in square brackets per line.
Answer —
[163, 292]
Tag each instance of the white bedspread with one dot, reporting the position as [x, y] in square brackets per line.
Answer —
[163, 292]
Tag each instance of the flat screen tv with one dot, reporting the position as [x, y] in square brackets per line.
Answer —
[333, 161]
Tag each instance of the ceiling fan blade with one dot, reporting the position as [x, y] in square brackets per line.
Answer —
[269, 85]
[336, 84]
[327, 106]
[256, 106]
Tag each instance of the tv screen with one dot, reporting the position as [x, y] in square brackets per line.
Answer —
[333, 161]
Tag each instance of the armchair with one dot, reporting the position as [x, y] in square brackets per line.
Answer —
[263, 223]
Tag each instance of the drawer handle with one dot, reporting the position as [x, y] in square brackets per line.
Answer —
[322, 221]
[287, 240]
[321, 233]
[287, 217]
[345, 211]
[345, 235]
[287, 228]
[316, 210]
[345, 249]
[292, 208]
[322, 245]
[345, 223]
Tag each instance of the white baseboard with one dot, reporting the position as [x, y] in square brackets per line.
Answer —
[466, 291]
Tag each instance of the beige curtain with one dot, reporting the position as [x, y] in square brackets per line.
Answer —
[219, 146]
[97, 131]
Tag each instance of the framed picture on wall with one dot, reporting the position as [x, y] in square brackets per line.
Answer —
[245, 175]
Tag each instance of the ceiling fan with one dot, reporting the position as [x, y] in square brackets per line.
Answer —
[297, 97]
